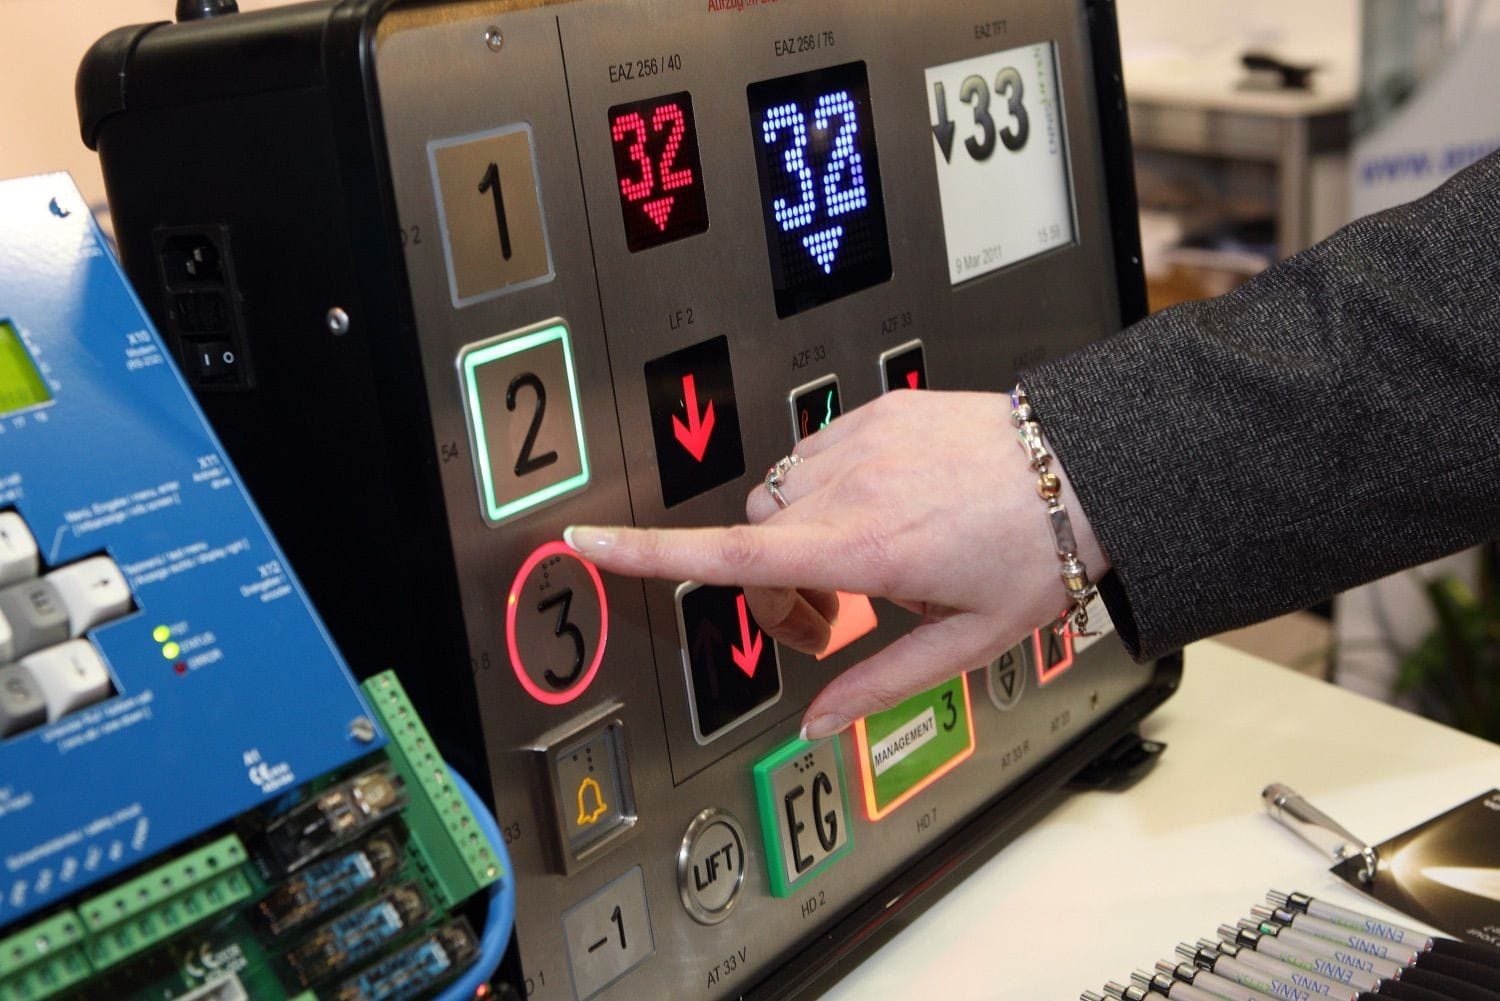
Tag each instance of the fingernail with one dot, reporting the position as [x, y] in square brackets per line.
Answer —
[587, 538]
[822, 726]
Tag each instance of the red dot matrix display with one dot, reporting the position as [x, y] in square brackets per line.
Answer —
[659, 177]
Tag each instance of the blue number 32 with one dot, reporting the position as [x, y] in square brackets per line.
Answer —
[837, 200]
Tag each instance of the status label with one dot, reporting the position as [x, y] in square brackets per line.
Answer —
[905, 749]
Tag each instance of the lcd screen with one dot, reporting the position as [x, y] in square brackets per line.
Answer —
[1002, 165]
[21, 382]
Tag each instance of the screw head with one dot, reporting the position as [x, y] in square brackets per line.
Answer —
[494, 39]
[338, 322]
[362, 729]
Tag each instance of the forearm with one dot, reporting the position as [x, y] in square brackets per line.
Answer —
[1335, 419]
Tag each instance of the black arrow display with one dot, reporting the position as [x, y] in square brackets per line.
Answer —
[943, 130]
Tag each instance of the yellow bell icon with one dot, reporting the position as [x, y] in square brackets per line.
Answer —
[588, 790]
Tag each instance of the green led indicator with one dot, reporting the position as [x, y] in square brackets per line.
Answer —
[170, 651]
[525, 421]
[161, 634]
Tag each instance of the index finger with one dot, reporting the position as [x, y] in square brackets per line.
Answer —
[775, 554]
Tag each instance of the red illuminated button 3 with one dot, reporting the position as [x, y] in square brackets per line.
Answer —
[556, 624]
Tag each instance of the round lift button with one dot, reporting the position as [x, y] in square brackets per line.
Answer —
[556, 624]
[711, 866]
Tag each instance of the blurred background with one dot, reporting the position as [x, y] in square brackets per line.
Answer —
[1260, 126]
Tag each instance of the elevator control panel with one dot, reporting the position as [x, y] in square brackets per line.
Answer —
[509, 266]
[151, 631]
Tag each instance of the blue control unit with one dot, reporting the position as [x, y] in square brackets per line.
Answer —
[161, 670]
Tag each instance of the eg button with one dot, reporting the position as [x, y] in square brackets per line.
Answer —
[804, 811]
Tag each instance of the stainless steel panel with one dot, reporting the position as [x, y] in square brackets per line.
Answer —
[561, 67]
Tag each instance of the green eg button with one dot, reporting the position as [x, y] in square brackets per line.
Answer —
[804, 811]
[909, 747]
[525, 424]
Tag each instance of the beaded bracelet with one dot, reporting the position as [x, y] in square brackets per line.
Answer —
[1075, 575]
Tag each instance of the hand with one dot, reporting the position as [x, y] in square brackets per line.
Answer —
[923, 498]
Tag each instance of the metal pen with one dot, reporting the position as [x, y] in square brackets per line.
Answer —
[1210, 982]
[1130, 992]
[1166, 985]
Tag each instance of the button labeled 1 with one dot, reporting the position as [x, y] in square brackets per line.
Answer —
[525, 424]
[556, 624]
[804, 811]
[490, 208]
[608, 935]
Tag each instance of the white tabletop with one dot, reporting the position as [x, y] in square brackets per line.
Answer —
[1110, 882]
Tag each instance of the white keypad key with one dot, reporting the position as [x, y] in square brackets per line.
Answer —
[92, 590]
[18, 557]
[71, 676]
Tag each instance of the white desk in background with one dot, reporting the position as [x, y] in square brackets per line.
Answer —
[1110, 882]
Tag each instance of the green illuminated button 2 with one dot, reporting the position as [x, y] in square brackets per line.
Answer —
[525, 425]
[907, 748]
[804, 811]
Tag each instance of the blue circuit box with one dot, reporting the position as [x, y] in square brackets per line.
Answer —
[161, 670]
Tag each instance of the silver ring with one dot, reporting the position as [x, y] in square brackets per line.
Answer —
[775, 477]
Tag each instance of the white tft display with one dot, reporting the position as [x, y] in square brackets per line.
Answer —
[1002, 162]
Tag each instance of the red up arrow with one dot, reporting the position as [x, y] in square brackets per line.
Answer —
[660, 210]
[694, 435]
[747, 654]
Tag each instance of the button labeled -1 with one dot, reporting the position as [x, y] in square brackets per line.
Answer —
[694, 421]
[733, 668]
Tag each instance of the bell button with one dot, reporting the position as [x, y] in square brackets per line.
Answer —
[591, 787]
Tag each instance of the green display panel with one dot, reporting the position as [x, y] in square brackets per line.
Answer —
[907, 748]
[21, 383]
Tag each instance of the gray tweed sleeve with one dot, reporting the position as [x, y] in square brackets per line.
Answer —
[1335, 419]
